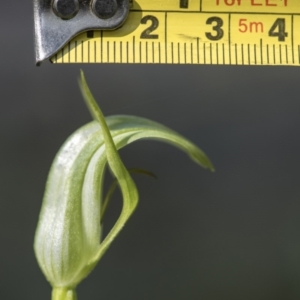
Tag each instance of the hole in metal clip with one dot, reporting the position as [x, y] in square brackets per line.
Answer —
[104, 9]
[66, 9]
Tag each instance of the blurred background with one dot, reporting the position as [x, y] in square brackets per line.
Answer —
[233, 234]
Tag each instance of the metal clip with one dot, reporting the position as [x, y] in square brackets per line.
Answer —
[58, 21]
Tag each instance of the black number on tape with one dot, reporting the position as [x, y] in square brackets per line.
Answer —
[278, 30]
[219, 33]
[146, 34]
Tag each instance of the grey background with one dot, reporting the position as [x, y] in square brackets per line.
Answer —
[233, 234]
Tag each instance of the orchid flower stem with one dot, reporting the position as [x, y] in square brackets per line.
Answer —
[63, 294]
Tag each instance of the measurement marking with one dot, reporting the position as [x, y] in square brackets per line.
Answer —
[210, 53]
[274, 54]
[101, 46]
[159, 55]
[223, 49]
[81, 51]
[242, 47]
[152, 52]
[298, 54]
[184, 3]
[146, 52]
[69, 52]
[115, 52]
[166, 49]
[185, 53]
[200, 5]
[268, 59]
[280, 54]
[178, 49]
[198, 54]
[62, 55]
[56, 57]
[192, 58]
[204, 53]
[261, 53]
[236, 55]
[249, 55]
[286, 54]
[292, 37]
[76, 51]
[107, 51]
[133, 50]
[217, 53]
[140, 52]
[127, 52]
[88, 51]
[95, 51]
[172, 52]
[90, 34]
[229, 37]
[121, 54]
[255, 61]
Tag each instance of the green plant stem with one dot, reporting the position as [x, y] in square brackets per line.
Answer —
[63, 294]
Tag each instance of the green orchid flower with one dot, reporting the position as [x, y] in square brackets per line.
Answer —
[68, 237]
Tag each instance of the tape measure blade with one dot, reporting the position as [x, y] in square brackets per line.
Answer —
[191, 37]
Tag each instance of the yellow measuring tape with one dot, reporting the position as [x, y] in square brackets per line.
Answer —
[242, 32]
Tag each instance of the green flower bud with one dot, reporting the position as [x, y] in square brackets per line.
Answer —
[68, 237]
